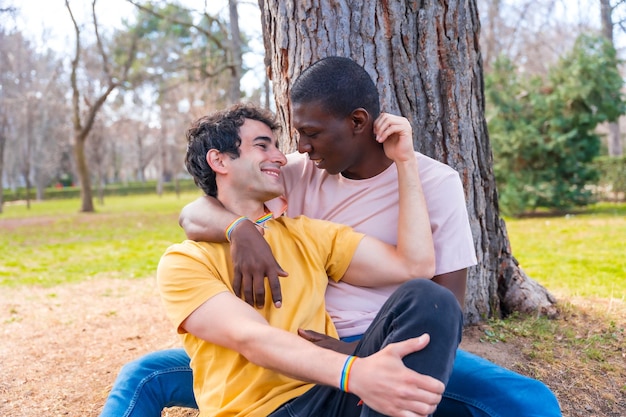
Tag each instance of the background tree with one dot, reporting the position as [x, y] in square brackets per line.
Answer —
[235, 49]
[615, 147]
[191, 62]
[534, 34]
[425, 59]
[32, 114]
[4, 121]
[544, 130]
[84, 111]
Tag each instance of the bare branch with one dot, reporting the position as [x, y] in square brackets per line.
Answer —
[105, 58]
[210, 18]
[75, 95]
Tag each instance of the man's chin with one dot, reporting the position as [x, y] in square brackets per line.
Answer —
[330, 171]
[270, 195]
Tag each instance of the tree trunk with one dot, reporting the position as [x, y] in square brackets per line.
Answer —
[615, 138]
[82, 125]
[3, 140]
[425, 59]
[86, 193]
[28, 148]
[267, 60]
[235, 48]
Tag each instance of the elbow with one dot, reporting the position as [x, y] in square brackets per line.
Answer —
[192, 232]
[248, 344]
[185, 224]
[250, 350]
[191, 235]
[430, 270]
[423, 269]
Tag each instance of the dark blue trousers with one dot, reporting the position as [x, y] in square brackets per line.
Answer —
[417, 307]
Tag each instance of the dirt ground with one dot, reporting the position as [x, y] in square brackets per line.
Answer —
[62, 347]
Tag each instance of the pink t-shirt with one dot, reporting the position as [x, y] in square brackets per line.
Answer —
[370, 206]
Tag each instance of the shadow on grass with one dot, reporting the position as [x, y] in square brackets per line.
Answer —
[607, 209]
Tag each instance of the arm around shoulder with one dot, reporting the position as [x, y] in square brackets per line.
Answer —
[205, 220]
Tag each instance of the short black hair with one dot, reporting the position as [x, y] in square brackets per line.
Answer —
[220, 131]
[339, 84]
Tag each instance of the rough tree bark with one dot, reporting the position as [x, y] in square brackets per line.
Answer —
[425, 58]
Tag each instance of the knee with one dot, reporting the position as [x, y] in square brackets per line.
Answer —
[137, 369]
[483, 384]
[148, 366]
[532, 398]
[423, 293]
[544, 401]
[433, 304]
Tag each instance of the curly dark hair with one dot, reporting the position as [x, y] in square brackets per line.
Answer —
[220, 131]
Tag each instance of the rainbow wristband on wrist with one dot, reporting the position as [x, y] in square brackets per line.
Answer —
[345, 373]
[232, 226]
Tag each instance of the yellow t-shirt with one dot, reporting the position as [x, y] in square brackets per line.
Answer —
[189, 273]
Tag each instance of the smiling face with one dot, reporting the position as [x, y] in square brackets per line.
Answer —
[256, 172]
[340, 145]
[329, 140]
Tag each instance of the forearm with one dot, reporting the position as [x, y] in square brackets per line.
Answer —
[415, 241]
[295, 357]
[376, 263]
[245, 331]
[381, 380]
[205, 219]
[456, 282]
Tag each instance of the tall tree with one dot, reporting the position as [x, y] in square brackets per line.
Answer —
[4, 122]
[3, 139]
[234, 94]
[425, 59]
[543, 129]
[84, 113]
[606, 19]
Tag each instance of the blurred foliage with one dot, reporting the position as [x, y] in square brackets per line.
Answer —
[612, 182]
[176, 48]
[542, 130]
[118, 189]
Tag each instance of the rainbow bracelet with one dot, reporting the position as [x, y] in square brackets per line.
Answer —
[232, 226]
[345, 373]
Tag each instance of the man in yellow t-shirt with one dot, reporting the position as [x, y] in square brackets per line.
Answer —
[251, 362]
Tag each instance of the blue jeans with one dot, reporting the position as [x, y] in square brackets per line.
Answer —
[417, 307]
[476, 388]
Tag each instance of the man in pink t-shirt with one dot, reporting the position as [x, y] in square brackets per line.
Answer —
[345, 177]
[315, 193]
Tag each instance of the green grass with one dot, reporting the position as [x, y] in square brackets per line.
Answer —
[581, 254]
[53, 243]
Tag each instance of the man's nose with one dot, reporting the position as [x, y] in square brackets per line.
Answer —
[303, 145]
[279, 158]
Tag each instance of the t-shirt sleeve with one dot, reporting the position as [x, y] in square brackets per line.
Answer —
[452, 235]
[186, 280]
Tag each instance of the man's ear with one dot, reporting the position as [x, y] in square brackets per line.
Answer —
[361, 119]
[215, 159]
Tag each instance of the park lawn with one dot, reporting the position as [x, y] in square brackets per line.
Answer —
[52, 243]
[579, 355]
[578, 255]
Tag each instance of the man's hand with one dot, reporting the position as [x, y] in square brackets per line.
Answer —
[253, 260]
[386, 385]
[327, 342]
[396, 135]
